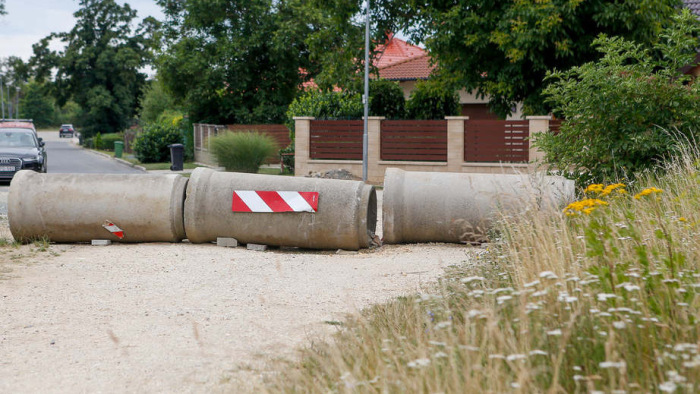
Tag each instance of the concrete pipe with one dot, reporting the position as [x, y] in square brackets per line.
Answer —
[457, 207]
[77, 207]
[345, 218]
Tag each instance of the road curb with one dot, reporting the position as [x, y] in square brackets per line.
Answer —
[122, 161]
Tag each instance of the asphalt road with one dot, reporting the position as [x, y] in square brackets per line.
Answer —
[65, 156]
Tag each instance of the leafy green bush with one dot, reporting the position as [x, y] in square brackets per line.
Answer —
[386, 99]
[616, 109]
[432, 99]
[97, 141]
[287, 158]
[151, 146]
[242, 151]
[106, 141]
[324, 105]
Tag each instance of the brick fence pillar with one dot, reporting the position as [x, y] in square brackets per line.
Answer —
[538, 124]
[455, 142]
[302, 138]
[374, 146]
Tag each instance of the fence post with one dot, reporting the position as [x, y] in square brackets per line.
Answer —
[455, 142]
[302, 141]
[538, 124]
[374, 148]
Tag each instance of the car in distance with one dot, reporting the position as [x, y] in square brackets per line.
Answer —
[20, 149]
[66, 130]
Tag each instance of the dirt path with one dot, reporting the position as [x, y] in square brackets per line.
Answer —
[180, 317]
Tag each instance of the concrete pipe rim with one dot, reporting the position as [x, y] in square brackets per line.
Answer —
[367, 220]
[392, 201]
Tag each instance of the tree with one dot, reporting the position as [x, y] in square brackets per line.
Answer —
[620, 111]
[504, 48]
[2, 7]
[99, 67]
[432, 99]
[15, 73]
[336, 43]
[37, 105]
[155, 101]
[386, 99]
[234, 62]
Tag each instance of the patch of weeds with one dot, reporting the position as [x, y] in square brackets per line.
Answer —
[5, 242]
[41, 244]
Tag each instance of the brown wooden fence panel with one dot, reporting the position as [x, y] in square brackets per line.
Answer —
[493, 141]
[555, 126]
[414, 140]
[279, 132]
[336, 139]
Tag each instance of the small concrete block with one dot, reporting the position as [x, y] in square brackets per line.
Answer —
[346, 252]
[101, 242]
[257, 247]
[226, 242]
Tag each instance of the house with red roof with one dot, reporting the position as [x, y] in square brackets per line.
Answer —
[397, 60]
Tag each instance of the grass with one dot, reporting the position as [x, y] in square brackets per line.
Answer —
[188, 165]
[598, 300]
[273, 171]
[242, 151]
[166, 166]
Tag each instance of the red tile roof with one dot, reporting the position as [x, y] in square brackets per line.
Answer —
[399, 60]
[396, 50]
[408, 69]
[396, 60]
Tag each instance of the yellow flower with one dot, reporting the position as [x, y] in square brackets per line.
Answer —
[602, 191]
[647, 192]
[619, 187]
[594, 188]
[586, 206]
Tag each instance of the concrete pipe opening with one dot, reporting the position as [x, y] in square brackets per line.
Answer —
[345, 217]
[460, 207]
[76, 207]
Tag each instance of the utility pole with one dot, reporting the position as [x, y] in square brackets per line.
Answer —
[365, 99]
[17, 100]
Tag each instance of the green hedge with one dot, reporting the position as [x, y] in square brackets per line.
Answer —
[103, 141]
[151, 146]
[386, 99]
[432, 100]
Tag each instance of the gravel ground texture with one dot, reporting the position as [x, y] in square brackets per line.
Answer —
[183, 317]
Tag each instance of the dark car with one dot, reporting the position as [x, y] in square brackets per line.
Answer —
[20, 149]
[66, 130]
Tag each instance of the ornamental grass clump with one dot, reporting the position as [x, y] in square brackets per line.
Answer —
[242, 151]
[606, 300]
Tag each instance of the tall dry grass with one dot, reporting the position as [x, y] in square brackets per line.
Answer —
[599, 301]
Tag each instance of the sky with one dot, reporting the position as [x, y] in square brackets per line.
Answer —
[28, 21]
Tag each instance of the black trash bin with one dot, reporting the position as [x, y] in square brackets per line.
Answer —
[177, 157]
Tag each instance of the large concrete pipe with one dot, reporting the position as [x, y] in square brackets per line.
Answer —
[77, 207]
[345, 218]
[455, 207]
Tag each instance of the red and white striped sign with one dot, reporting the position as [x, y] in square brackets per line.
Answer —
[272, 201]
[112, 228]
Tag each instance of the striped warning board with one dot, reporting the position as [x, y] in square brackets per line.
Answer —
[112, 228]
[274, 201]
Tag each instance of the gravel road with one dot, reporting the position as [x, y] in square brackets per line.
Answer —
[182, 317]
